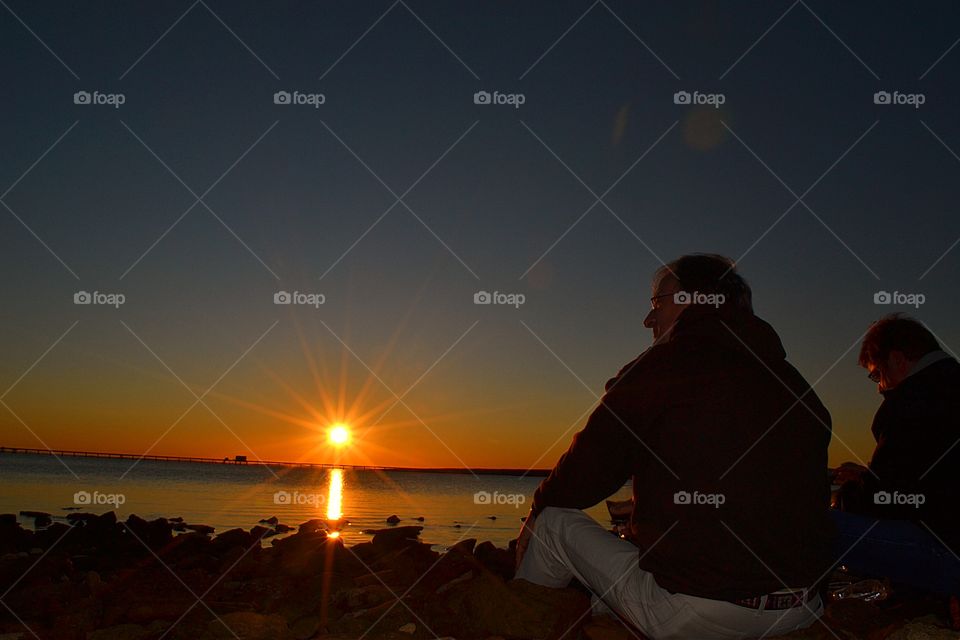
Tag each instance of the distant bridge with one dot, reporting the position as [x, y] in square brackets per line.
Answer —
[243, 460]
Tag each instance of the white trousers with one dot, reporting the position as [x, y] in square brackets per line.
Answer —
[568, 543]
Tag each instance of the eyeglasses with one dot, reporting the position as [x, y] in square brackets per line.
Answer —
[874, 375]
[653, 300]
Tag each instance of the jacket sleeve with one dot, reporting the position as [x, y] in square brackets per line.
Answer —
[599, 461]
[895, 462]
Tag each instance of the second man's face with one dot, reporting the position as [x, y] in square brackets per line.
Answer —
[665, 310]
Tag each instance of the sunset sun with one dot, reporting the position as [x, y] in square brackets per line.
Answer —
[339, 435]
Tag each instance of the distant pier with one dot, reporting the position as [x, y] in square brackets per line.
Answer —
[244, 460]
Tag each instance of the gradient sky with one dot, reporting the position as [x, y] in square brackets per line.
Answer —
[493, 189]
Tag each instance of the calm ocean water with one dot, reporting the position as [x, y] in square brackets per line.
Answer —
[227, 496]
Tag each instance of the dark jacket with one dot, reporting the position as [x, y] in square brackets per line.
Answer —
[917, 429]
[713, 409]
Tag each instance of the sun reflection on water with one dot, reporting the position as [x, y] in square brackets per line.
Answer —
[335, 498]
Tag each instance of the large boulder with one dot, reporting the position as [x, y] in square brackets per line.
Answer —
[396, 537]
[247, 625]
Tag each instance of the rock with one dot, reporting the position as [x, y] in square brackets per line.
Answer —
[282, 528]
[270, 520]
[491, 517]
[201, 528]
[859, 618]
[408, 628]
[155, 534]
[35, 514]
[501, 562]
[42, 521]
[258, 532]
[923, 631]
[365, 597]
[397, 537]
[464, 546]
[187, 546]
[488, 606]
[420, 518]
[232, 538]
[387, 576]
[305, 627]
[316, 525]
[394, 519]
[247, 625]
[8, 519]
[120, 632]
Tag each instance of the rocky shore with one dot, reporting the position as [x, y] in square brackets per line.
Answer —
[98, 578]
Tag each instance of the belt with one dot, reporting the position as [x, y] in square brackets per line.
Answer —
[778, 600]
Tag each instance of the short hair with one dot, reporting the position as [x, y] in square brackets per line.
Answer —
[709, 273]
[896, 332]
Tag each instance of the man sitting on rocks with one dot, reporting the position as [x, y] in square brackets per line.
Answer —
[726, 445]
[899, 516]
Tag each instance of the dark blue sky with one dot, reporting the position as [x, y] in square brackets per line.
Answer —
[502, 186]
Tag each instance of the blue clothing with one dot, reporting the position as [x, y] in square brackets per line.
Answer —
[901, 550]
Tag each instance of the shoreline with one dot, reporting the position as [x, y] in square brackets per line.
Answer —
[99, 578]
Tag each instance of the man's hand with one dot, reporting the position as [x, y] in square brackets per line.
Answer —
[526, 532]
[848, 472]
